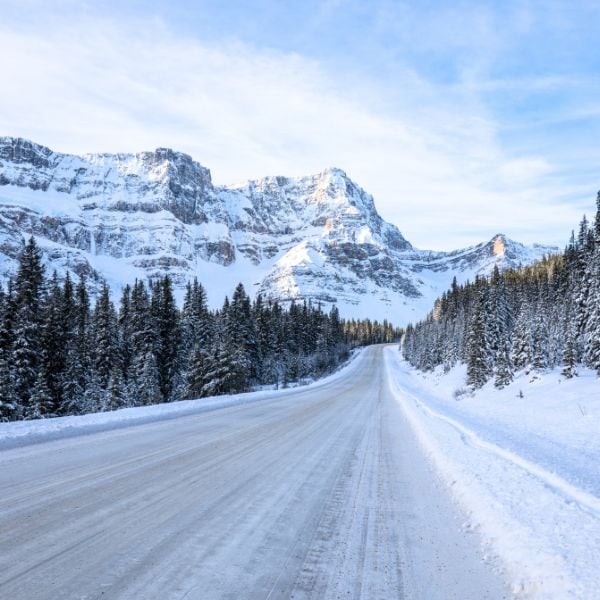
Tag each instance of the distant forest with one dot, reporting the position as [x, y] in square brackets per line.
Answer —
[61, 356]
[533, 318]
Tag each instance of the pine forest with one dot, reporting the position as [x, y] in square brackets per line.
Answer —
[534, 318]
[61, 353]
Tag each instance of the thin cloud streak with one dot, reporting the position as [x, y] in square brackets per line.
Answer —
[437, 172]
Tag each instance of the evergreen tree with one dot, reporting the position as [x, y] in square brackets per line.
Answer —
[105, 338]
[146, 385]
[27, 348]
[78, 364]
[116, 393]
[239, 341]
[10, 407]
[94, 395]
[199, 374]
[55, 343]
[569, 356]
[504, 367]
[521, 350]
[479, 355]
[125, 333]
[166, 321]
[540, 342]
[143, 374]
[41, 400]
[223, 378]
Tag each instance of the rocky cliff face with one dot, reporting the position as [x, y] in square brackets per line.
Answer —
[121, 216]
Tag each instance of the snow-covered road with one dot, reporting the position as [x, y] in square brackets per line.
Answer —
[316, 493]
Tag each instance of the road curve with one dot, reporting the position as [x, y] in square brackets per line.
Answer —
[319, 494]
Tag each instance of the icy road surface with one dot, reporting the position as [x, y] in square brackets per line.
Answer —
[319, 493]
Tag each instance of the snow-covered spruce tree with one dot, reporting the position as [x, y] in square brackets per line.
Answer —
[479, 362]
[449, 353]
[197, 340]
[272, 336]
[146, 389]
[78, 362]
[570, 293]
[68, 315]
[522, 355]
[504, 367]
[196, 328]
[582, 283]
[94, 395]
[200, 370]
[501, 324]
[166, 319]
[104, 324]
[224, 377]
[27, 350]
[265, 340]
[10, 406]
[125, 343]
[56, 339]
[116, 393]
[239, 341]
[540, 357]
[143, 378]
[570, 353]
[41, 400]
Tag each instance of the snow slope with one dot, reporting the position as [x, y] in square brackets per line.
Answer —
[143, 215]
[527, 469]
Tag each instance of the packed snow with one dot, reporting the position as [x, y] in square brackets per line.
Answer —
[524, 463]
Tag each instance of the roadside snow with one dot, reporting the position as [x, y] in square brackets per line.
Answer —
[526, 470]
[22, 433]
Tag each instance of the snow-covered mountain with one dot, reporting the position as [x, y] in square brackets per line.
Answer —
[122, 216]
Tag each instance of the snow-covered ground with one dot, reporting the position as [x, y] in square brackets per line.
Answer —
[21, 433]
[525, 469]
[523, 472]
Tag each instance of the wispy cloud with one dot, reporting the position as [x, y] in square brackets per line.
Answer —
[433, 160]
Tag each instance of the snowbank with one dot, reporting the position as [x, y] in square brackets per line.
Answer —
[21, 433]
[525, 469]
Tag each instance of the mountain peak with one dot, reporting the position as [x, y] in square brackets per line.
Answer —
[334, 171]
[499, 243]
[147, 214]
[20, 150]
[169, 155]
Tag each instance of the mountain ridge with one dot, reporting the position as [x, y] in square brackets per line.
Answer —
[316, 237]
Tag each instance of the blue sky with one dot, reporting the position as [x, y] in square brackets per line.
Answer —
[463, 119]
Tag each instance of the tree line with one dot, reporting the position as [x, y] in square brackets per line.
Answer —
[66, 351]
[533, 318]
